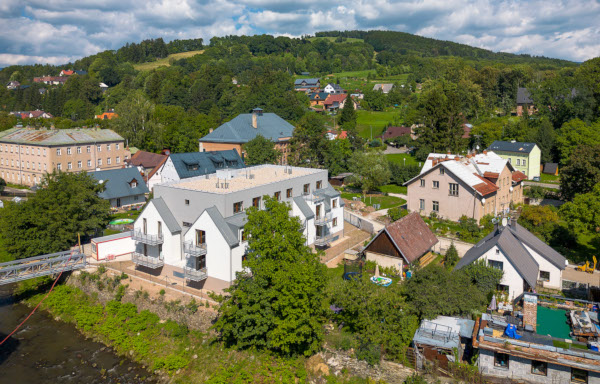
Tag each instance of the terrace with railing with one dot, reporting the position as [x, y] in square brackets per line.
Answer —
[147, 261]
[194, 274]
[147, 238]
[191, 249]
[323, 240]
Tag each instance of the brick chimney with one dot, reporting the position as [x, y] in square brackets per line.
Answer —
[530, 311]
[255, 113]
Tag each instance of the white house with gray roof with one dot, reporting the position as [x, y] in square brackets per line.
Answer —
[196, 225]
[525, 259]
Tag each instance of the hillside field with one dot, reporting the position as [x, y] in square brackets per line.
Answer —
[165, 61]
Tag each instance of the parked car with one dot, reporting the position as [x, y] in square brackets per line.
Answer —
[536, 178]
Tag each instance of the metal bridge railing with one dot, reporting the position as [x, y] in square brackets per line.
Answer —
[23, 269]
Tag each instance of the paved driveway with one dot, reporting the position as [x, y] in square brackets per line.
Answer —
[581, 277]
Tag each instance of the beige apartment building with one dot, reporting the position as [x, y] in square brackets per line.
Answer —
[474, 185]
[27, 154]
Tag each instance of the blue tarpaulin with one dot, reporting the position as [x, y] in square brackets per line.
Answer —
[511, 331]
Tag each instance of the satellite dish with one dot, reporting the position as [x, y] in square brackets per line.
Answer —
[495, 220]
[504, 221]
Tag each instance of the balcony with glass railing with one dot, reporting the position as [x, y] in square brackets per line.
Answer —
[323, 219]
[147, 238]
[323, 240]
[313, 198]
[194, 274]
[191, 249]
[147, 261]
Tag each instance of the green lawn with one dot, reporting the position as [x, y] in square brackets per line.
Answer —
[126, 215]
[393, 188]
[384, 201]
[352, 80]
[545, 178]
[377, 120]
[399, 158]
[166, 61]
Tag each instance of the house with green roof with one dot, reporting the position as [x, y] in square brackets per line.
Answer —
[524, 157]
[245, 127]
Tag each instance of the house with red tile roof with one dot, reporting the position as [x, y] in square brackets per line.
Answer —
[37, 114]
[337, 101]
[149, 164]
[475, 185]
[401, 243]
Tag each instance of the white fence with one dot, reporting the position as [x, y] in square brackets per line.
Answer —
[359, 222]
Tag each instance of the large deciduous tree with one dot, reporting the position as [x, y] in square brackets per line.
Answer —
[261, 150]
[67, 204]
[277, 303]
[371, 169]
[309, 142]
[583, 213]
[582, 172]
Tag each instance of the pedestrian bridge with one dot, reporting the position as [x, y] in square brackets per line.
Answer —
[45, 265]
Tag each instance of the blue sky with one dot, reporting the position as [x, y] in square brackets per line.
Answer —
[58, 31]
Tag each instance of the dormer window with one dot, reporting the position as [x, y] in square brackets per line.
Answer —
[442, 171]
[133, 183]
[192, 167]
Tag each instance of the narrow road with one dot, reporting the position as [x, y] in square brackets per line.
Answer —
[545, 185]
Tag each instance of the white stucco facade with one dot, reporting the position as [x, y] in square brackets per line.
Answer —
[511, 277]
[169, 249]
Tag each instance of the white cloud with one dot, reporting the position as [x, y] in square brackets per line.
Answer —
[54, 30]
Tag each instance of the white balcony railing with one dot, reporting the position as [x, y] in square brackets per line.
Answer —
[194, 250]
[147, 238]
[194, 274]
[323, 219]
[313, 198]
[147, 261]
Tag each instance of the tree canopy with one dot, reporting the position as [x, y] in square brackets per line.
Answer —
[260, 151]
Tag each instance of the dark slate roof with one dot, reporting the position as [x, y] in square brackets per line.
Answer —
[240, 129]
[523, 96]
[550, 168]
[309, 82]
[322, 95]
[511, 241]
[118, 182]
[166, 214]
[193, 164]
[538, 245]
[223, 226]
[512, 146]
[304, 208]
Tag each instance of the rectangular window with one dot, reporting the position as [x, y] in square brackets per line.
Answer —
[334, 203]
[544, 276]
[442, 171]
[186, 224]
[99, 148]
[118, 160]
[108, 147]
[108, 161]
[58, 152]
[238, 207]
[99, 162]
[579, 376]
[69, 165]
[288, 193]
[59, 166]
[334, 223]
[436, 184]
[244, 235]
[256, 202]
[117, 146]
[306, 189]
[436, 206]
[500, 360]
[518, 161]
[496, 264]
[133, 183]
[145, 226]
[539, 368]
[422, 204]
[319, 184]
[187, 202]
[69, 151]
[453, 189]
[89, 163]
[524, 164]
[78, 150]
[89, 149]
[277, 195]
[79, 164]
[159, 228]
[200, 237]
[422, 183]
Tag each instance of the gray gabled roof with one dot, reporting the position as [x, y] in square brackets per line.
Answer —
[523, 96]
[118, 182]
[194, 164]
[304, 208]
[512, 146]
[240, 129]
[165, 213]
[309, 82]
[511, 243]
[223, 226]
[237, 221]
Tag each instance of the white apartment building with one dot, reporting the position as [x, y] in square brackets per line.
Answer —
[195, 226]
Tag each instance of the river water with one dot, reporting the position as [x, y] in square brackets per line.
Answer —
[49, 351]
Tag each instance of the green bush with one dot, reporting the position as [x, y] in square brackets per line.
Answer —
[171, 363]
